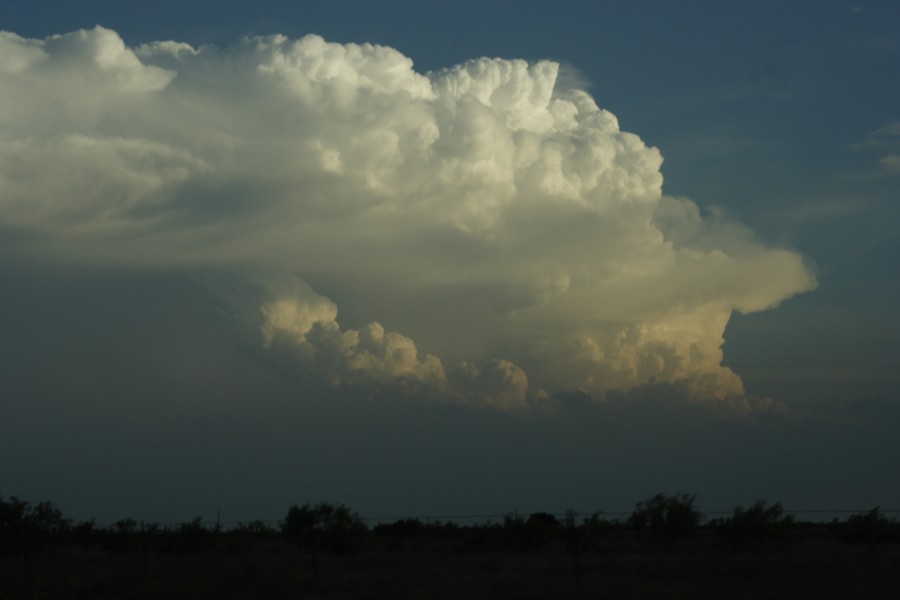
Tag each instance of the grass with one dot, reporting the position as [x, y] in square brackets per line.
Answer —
[810, 563]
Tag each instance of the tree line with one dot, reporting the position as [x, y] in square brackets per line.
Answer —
[334, 528]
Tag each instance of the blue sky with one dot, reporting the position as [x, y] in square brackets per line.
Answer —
[780, 119]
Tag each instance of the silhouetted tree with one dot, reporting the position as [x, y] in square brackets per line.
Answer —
[323, 526]
[540, 527]
[47, 520]
[527, 534]
[758, 523]
[13, 515]
[868, 527]
[400, 532]
[125, 527]
[401, 527]
[23, 527]
[253, 528]
[596, 528]
[574, 538]
[84, 532]
[542, 519]
[666, 517]
[190, 536]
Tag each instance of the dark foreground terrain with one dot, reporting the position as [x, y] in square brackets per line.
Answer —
[811, 564]
[326, 551]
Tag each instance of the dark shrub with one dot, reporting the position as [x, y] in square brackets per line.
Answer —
[23, 526]
[401, 528]
[758, 523]
[867, 527]
[596, 528]
[542, 519]
[328, 526]
[253, 529]
[666, 517]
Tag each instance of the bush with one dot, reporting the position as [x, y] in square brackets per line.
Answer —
[125, 527]
[528, 534]
[596, 528]
[401, 528]
[329, 526]
[189, 536]
[757, 524]
[666, 517]
[255, 528]
[868, 527]
[23, 526]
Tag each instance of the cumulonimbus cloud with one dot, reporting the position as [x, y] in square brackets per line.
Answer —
[488, 235]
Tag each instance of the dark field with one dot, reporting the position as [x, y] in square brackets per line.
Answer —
[809, 562]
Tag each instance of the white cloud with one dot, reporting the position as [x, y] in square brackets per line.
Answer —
[304, 326]
[369, 352]
[503, 222]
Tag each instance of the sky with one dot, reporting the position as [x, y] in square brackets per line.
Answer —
[448, 258]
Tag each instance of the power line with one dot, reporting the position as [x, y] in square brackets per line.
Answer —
[498, 517]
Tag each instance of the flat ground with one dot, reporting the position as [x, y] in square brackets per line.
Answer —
[813, 566]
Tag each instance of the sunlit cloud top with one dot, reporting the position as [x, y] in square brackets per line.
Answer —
[480, 234]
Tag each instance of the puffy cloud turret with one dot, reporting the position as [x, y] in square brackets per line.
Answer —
[503, 222]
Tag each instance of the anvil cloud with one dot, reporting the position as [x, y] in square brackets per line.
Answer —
[479, 234]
